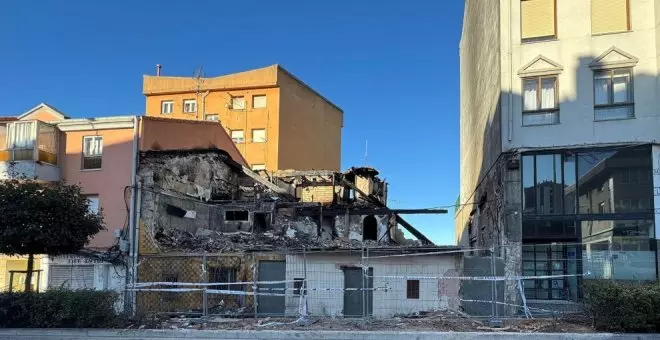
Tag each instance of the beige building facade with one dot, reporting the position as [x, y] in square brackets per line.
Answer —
[558, 106]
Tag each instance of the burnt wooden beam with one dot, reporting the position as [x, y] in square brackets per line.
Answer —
[399, 219]
[336, 211]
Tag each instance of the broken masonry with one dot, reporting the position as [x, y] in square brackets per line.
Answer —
[203, 200]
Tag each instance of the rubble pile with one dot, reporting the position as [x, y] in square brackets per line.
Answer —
[241, 241]
[437, 322]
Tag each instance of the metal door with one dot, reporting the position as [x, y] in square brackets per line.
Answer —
[358, 302]
[271, 305]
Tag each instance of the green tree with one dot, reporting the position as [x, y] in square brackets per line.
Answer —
[44, 218]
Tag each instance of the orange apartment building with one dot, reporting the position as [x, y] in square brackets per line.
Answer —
[101, 155]
[276, 120]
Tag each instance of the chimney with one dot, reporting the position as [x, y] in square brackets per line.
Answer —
[158, 67]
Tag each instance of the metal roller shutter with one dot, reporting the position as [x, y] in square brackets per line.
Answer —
[71, 277]
[609, 16]
[538, 18]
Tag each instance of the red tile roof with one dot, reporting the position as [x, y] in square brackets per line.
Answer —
[8, 119]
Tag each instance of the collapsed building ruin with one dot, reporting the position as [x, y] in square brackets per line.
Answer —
[202, 200]
[203, 218]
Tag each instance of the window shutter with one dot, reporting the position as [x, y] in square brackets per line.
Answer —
[71, 276]
[538, 18]
[259, 102]
[609, 16]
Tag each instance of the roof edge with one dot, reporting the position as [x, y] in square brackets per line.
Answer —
[281, 68]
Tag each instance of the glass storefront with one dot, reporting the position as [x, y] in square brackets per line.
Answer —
[587, 214]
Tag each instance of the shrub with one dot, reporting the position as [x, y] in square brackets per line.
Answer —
[59, 309]
[623, 307]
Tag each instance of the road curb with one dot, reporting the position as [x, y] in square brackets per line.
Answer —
[104, 334]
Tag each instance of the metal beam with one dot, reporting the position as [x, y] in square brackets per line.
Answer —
[419, 211]
[341, 210]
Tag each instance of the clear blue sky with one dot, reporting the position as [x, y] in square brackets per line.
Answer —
[391, 65]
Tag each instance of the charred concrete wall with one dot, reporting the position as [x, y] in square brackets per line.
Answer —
[203, 175]
[175, 188]
[494, 220]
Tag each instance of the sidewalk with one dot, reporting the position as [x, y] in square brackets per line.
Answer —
[101, 334]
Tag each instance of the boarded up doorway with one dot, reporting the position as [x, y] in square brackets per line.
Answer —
[358, 303]
[271, 305]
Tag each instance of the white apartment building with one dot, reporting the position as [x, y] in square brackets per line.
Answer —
[558, 140]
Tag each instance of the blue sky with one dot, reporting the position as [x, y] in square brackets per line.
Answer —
[391, 65]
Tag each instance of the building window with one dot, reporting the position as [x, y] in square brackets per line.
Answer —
[544, 186]
[546, 260]
[618, 170]
[585, 179]
[47, 140]
[21, 140]
[609, 16]
[190, 106]
[93, 204]
[92, 152]
[257, 167]
[258, 136]
[613, 94]
[224, 276]
[166, 107]
[238, 103]
[540, 101]
[412, 289]
[212, 117]
[298, 286]
[238, 136]
[236, 215]
[538, 19]
[619, 249]
[259, 101]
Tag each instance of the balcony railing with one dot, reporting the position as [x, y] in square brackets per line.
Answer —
[28, 141]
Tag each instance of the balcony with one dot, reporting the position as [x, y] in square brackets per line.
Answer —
[28, 150]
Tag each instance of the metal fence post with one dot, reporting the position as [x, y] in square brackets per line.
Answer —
[364, 274]
[254, 285]
[305, 272]
[492, 282]
[205, 304]
[494, 319]
[303, 289]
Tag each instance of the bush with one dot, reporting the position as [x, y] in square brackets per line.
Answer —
[59, 309]
[623, 307]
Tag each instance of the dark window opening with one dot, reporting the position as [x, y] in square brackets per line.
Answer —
[90, 163]
[238, 215]
[223, 276]
[298, 286]
[412, 289]
[260, 222]
[370, 228]
[328, 226]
